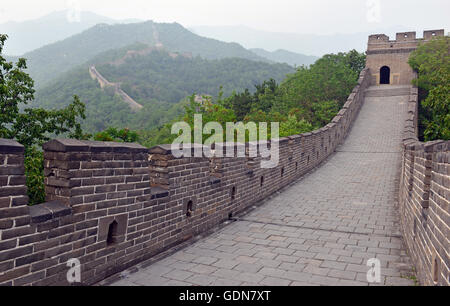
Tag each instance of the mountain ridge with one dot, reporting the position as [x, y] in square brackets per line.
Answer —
[48, 62]
[285, 56]
[28, 35]
[309, 44]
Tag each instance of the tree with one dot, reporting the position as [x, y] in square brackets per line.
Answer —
[432, 63]
[113, 134]
[293, 126]
[240, 103]
[324, 112]
[32, 126]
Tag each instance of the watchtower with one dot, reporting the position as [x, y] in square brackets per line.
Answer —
[388, 59]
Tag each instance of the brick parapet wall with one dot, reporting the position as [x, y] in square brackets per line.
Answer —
[424, 201]
[114, 205]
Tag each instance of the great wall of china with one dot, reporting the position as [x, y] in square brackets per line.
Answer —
[116, 205]
[117, 90]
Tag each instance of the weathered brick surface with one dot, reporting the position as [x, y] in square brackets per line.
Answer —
[424, 201]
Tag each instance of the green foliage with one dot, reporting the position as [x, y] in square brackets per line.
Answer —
[432, 62]
[113, 134]
[293, 126]
[171, 77]
[324, 112]
[156, 80]
[50, 62]
[331, 78]
[211, 112]
[306, 100]
[32, 126]
[34, 169]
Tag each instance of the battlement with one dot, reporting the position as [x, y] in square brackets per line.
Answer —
[424, 200]
[402, 40]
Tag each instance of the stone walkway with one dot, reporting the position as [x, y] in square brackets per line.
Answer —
[320, 231]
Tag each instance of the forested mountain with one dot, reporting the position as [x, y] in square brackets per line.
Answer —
[32, 34]
[49, 62]
[168, 76]
[157, 79]
[288, 57]
[306, 100]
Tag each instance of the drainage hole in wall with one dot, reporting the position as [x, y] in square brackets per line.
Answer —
[189, 209]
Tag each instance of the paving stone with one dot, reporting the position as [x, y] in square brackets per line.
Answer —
[399, 281]
[179, 275]
[226, 273]
[297, 276]
[265, 255]
[286, 258]
[124, 283]
[226, 282]
[203, 269]
[272, 272]
[225, 263]
[333, 265]
[324, 281]
[250, 277]
[201, 280]
[270, 263]
[246, 259]
[150, 280]
[205, 260]
[316, 270]
[353, 260]
[273, 281]
[159, 270]
[349, 275]
[292, 267]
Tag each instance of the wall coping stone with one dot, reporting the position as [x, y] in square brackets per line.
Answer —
[48, 211]
[9, 146]
[74, 145]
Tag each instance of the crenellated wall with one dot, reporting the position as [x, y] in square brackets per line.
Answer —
[112, 205]
[424, 201]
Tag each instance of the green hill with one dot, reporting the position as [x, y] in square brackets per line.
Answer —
[155, 78]
[51, 61]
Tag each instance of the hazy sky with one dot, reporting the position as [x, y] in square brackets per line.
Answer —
[302, 16]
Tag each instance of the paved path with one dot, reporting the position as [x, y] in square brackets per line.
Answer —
[320, 231]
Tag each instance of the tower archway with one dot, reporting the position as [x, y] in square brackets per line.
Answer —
[385, 75]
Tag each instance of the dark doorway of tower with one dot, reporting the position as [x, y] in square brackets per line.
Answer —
[385, 75]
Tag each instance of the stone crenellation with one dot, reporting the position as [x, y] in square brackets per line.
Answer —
[113, 205]
[424, 201]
